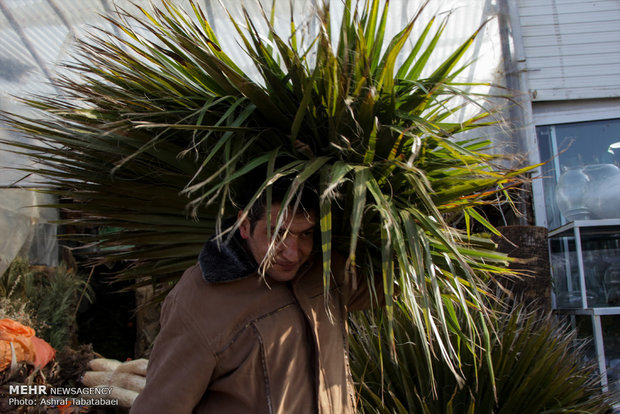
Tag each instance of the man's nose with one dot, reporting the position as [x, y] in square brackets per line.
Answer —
[290, 249]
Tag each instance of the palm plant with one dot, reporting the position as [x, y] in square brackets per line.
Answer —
[539, 367]
[164, 125]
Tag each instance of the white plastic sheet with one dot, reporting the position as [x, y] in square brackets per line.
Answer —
[25, 229]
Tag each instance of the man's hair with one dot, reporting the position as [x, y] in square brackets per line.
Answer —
[308, 199]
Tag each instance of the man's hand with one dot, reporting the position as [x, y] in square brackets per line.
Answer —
[125, 380]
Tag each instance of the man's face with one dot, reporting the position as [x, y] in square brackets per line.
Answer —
[294, 245]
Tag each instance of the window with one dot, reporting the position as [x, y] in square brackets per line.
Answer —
[591, 151]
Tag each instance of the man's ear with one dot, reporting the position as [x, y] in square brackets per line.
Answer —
[244, 226]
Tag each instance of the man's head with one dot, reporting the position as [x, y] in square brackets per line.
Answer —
[295, 238]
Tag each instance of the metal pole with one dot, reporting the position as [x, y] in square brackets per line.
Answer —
[582, 276]
[600, 350]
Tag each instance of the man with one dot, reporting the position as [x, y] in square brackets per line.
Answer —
[235, 341]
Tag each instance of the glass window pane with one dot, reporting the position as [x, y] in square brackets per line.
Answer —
[601, 265]
[610, 325]
[591, 150]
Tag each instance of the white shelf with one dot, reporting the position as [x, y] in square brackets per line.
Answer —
[590, 226]
[609, 310]
[575, 230]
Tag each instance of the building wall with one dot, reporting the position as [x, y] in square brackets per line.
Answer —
[572, 48]
[565, 57]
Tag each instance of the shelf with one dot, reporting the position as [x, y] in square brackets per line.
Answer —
[610, 310]
[585, 261]
[587, 227]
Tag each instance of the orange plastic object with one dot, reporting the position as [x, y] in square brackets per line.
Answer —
[26, 346]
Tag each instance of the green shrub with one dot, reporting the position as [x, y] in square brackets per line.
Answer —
[44, 298]
[537, 363]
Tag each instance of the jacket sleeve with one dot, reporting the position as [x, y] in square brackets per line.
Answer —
[180, 366]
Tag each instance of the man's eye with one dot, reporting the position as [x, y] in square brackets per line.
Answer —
[307, 234]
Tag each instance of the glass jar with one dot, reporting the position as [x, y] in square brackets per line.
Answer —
[571, 194]
[603, 196]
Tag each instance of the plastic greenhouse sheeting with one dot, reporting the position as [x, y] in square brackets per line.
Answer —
[25, 230]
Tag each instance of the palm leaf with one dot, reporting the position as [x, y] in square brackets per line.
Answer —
[161, 131]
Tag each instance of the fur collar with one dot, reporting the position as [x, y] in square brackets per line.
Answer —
[226, 262]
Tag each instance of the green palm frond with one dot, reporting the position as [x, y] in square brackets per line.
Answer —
[163, 126]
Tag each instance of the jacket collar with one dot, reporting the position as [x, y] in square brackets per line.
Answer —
[229, 260]
[226, 260]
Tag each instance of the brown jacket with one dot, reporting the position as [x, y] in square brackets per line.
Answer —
[230, 343]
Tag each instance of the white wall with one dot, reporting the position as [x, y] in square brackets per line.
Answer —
[572, 48]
